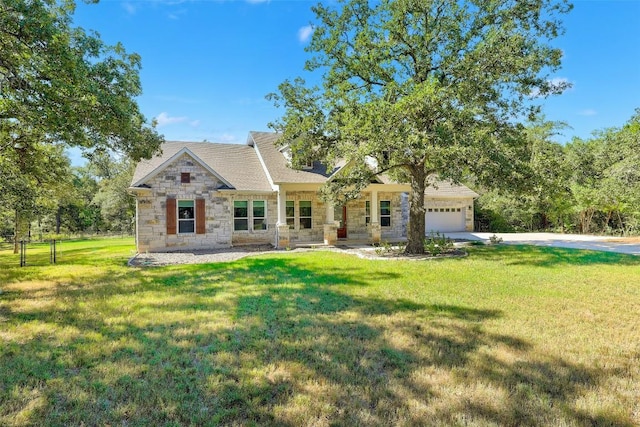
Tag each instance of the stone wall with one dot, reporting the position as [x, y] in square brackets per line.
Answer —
[254, 237]
[357, 229]
[151, 209]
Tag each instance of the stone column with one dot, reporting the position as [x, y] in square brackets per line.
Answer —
[375, 232]
[282, 236]
[330, 226]
[282, 229]
[330, 213]
[330, 234]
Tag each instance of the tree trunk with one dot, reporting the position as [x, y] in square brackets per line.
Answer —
[58, 219]
[16, 233]
[415, 234]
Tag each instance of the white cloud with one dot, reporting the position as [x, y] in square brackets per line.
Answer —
[130, 8]
[554, 82]
[588, 112]
[304, 33]
[165, 119]
[194, 123]
[558, 81]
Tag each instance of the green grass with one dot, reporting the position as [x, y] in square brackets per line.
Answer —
[507, 336]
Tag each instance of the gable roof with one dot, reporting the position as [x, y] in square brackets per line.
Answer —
[277, 165]
[446, 189]
[236, 165]
[257, 165]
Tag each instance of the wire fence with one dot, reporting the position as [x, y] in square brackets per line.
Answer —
[40, 252]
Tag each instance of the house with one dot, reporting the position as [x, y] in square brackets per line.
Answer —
[200, 195]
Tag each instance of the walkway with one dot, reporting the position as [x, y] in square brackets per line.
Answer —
[575, 241]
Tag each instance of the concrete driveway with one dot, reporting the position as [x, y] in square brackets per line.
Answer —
[574, 241]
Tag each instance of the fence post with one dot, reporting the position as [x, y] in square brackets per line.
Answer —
[52, 251]
[23, 253]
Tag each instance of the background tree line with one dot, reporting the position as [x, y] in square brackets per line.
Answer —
[60, 87]
[585, 186]
[69, 200]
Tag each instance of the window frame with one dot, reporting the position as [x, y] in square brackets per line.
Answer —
[306, 218]
[237, 218]
[250, 219]
[185, 178]
[385, 217]
[182, 220]
[262, 218]
[367, 212]
[290, 219]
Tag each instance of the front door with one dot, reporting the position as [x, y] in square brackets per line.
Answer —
[340, 215]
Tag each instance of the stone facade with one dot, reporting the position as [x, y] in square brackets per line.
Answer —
[151, 232]
[152, 236]
[254, 237]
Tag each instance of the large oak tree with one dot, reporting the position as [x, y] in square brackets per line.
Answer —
[424, 87]
[67, 85]
[62, 86]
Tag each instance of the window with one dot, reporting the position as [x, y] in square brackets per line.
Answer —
[385, 213]
[186, 216]
[259, 215]
[245, 214]
[240, 215]
[305, 214]
[367, 212]
[185, 177]
[291, 213]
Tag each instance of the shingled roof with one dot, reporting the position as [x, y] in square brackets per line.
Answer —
[236, 164]
[446, 189]
[239, 166]
[277, 164]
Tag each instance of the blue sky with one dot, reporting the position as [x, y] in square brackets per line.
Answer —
[207, 65]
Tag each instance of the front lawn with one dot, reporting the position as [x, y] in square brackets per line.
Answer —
[507, 336]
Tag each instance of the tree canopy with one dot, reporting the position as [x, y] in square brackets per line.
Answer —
[423, 87]
[61, 86]
[64, 85]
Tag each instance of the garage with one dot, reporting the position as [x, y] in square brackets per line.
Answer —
[443, 219]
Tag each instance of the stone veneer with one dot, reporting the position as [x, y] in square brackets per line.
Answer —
[151, 233]
[151, 213]
[357, 229]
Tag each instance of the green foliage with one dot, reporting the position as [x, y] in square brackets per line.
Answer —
[437, 244]
[60, 83]
[416, 88]
[587, 186]
[62, 86]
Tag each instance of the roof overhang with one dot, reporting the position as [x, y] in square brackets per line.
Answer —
[172, 159]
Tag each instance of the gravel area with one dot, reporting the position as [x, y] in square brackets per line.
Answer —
[232, 254]
[197, 257]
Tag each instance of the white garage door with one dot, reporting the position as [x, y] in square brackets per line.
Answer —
[445, 219]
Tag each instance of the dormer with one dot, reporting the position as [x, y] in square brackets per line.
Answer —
[286, 152]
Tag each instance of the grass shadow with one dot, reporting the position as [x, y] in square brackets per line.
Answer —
[270, 340]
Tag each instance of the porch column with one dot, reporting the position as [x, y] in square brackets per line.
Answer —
[374, 226]
[282, 229]
[330, 227]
